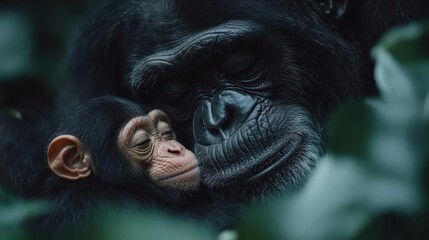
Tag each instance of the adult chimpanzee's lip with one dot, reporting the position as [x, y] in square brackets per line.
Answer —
[272, 164]
[190, 173]
[263, 168]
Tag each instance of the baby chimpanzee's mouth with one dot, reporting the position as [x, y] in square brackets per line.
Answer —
[188, 175]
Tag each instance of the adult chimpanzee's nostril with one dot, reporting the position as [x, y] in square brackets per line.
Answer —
[217, 119]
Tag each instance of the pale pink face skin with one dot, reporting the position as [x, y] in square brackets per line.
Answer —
[149, 143]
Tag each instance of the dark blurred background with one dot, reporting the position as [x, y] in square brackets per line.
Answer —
[373, 187]
[35, 38]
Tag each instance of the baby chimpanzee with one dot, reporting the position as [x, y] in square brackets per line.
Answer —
[109, 150]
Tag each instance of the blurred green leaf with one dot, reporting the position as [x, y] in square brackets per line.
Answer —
[402, 63]
[154, 225]
[407, 44]
[350, 129]
[14, 113]
[16, 45]
[228, 235]
[261, 224]
[372, 184]
[18, 212]
[14, 214]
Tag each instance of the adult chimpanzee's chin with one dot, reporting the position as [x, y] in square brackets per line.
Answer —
[272, 146]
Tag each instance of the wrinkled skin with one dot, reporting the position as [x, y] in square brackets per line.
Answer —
[248, 96]
[248, 84]
[149, 145]
[111, 151]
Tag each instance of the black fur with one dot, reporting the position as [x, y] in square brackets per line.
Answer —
[290, 35]
[319, 64]
[151, 51]
[24, 131]
[72, 203]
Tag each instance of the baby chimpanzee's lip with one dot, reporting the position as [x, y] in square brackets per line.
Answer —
[189, 174]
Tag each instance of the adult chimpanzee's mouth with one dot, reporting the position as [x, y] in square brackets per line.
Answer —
[267, 166]
[275, 140]
[273, 164]
[236, 175]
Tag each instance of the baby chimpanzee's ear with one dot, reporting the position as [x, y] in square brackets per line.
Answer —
[68, 159]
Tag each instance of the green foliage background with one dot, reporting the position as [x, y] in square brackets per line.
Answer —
[374, 182]
[372, 185]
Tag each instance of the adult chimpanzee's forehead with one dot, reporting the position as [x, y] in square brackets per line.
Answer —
[167, 21]
[206, 13]
[153, 26]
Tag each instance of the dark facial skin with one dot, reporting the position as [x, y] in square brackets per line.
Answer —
[249, 84]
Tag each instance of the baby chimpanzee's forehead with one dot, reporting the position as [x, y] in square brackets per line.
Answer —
[102, 116]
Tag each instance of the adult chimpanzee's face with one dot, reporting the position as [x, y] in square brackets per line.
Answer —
[252, 81]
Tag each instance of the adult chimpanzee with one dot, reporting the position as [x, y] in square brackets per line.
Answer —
[254, 81]
[109, 150]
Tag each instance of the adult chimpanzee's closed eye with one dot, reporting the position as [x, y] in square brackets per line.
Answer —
[110, 150]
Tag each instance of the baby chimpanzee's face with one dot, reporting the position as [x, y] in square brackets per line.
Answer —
[147, 145]
[148, 142]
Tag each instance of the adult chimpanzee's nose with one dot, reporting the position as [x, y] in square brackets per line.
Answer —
[217, 119]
